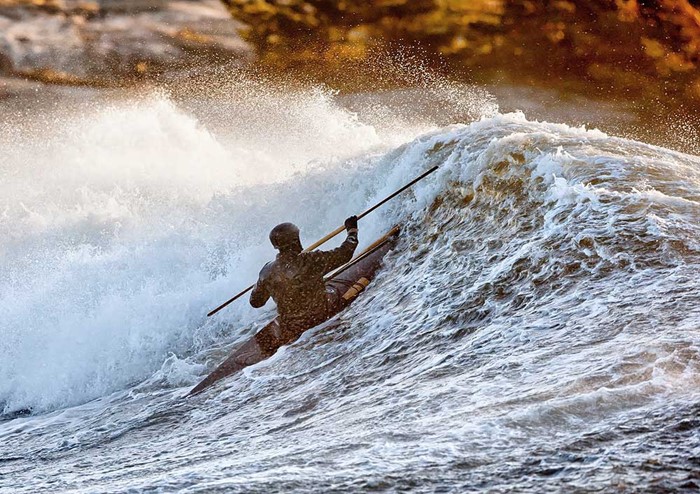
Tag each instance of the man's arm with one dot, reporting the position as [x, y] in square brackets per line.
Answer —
[331, 259]
[260, 295]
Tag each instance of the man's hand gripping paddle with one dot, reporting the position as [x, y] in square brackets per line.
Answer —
[335, 232]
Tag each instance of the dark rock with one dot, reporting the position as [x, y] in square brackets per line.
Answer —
[648, 48]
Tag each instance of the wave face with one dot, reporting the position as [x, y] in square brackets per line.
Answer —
[537, 327]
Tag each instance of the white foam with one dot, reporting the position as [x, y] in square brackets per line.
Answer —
[122, 225]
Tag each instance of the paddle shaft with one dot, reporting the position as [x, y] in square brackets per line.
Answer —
[334, 233]
[369, 250]
[365, 213]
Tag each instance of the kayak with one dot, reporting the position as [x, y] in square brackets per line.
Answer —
[346, 283]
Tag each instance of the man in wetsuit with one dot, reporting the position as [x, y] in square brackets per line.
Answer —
[294, 279]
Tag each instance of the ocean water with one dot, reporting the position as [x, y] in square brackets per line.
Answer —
[536, 329]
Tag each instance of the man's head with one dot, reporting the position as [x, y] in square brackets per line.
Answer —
[285, 238]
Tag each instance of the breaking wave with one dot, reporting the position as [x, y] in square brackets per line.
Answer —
[544, 294]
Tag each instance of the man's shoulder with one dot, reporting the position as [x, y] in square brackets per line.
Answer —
[267, 269]
[312, 255]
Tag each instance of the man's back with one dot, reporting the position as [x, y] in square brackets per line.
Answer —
[294, 280]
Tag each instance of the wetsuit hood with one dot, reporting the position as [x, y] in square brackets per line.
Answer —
[285, 238]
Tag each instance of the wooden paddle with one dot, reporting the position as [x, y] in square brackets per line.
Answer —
[334, 233]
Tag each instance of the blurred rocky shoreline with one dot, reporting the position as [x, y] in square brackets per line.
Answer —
[637, 60]
[113, 42]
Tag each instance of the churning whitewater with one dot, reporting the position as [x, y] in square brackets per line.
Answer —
[537, 327]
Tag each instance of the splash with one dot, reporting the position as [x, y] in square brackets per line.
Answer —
[538, 320]
[124, 220]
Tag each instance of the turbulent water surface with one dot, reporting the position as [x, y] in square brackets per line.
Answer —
[537, 328]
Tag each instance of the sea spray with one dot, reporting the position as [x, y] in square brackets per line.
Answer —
[124, 222]
[536, 327]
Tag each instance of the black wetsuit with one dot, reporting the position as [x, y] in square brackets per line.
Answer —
[295, 282]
